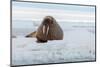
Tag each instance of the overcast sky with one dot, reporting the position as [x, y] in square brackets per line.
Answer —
[27, 11]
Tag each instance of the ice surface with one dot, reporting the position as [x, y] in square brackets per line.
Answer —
[77, 45]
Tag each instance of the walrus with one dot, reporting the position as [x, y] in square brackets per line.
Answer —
[49, 29]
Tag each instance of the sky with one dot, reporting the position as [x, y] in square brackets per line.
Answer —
[28, 11]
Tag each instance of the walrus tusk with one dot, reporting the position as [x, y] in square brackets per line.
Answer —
[45, 30]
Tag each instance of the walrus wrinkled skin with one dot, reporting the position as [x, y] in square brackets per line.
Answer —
[48, 30]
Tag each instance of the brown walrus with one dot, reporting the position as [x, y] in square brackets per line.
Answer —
[48, 30]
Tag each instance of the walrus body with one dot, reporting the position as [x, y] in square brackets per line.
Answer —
[49, 30]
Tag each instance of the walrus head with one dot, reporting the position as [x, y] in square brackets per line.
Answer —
[48, 20]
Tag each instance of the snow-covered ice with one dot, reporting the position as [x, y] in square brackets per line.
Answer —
[77, 45]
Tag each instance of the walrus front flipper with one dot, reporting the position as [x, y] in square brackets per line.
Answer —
[41, 41]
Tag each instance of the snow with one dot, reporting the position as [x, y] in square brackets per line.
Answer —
[77, 45]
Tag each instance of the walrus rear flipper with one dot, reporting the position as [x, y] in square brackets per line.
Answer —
[28, 35]
[33, 34]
